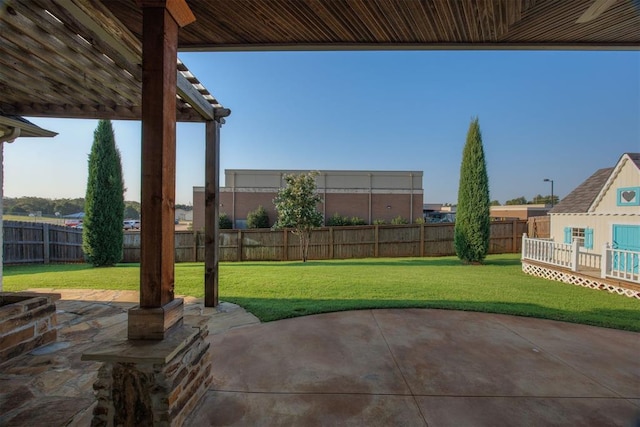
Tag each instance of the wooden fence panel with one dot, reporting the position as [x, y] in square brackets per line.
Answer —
[539, 227]
[438, 240]
[262, 245]
[399, 241]
[40, 243]
[228, 245]
[353, 242]
[131, 246]
[24, 243]
[65, 244]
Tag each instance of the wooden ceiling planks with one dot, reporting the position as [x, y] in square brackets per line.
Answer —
[389, 24]
[81, 58]
[55, 63]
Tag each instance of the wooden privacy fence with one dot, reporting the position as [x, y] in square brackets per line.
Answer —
[539, 227]
[414, 240]
[41, 243]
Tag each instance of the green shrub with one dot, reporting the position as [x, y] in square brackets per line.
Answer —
[420, 220]
[358, 221]
[224, 222]
[337, 220]
[258, 218]
[379, 222]
[399, 220]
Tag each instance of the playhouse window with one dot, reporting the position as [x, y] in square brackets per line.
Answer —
[584, 236]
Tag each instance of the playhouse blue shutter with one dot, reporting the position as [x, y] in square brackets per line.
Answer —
[567, 235]
[588, 238]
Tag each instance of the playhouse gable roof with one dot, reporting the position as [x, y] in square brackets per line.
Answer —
[581, 198]
[585, 197]
[634, 161]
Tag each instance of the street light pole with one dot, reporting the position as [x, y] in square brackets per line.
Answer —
[551, 181]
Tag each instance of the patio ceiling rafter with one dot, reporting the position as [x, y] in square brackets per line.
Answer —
[75, 59]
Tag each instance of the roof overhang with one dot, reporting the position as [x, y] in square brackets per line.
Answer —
[12, 127]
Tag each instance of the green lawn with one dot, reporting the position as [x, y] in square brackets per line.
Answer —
[277, 290]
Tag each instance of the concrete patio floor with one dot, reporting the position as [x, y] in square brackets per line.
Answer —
[411, 367]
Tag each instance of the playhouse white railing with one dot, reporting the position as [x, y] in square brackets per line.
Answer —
[620, 264]
[614, 263]
[550, 252]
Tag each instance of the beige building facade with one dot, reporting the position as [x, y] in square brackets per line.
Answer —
[370, 195]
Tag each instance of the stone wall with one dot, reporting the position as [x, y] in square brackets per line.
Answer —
[148, 392]
[27, 321]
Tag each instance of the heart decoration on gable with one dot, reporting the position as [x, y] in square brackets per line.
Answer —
[628, 195]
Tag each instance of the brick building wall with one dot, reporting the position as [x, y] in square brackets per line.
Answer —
[370, 195]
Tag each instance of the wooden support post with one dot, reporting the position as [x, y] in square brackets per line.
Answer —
[158, 311]
[211, 211]
[421, 240]
[239, 246]
[514, 236]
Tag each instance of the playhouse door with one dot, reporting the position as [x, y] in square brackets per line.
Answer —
[626, 237]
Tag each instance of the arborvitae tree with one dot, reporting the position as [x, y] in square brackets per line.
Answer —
[104, 201]
[471, 236]
[297, 208]
[258, 218]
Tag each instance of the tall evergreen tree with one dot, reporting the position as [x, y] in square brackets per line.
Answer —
[471, 235]
[104, 201]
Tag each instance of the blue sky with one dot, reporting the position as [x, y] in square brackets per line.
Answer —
[558, 115]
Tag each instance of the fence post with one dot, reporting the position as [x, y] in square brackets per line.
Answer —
[575, 253]
[376, 240]
[285, 254]
[239, 254]
[421, 240]
[45, 243]
[523, 251]
[330, 242]
[514, 236]
[605, 261]
[195, 246]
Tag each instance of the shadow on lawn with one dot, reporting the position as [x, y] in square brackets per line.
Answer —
[275, 309]
[395, 262]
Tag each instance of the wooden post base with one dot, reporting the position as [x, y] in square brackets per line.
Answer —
[154, 323]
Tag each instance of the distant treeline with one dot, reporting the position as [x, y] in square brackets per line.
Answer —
[62, 207]
[56, 207]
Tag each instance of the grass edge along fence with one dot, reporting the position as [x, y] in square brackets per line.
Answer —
[368, 241]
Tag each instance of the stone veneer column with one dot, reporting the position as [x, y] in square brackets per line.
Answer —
[152, 383]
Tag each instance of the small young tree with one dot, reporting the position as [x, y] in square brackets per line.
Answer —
[258, 218]
[471, 234]
[104, 201]
[297, 208]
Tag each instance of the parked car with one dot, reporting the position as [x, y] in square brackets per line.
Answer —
[131, 224]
